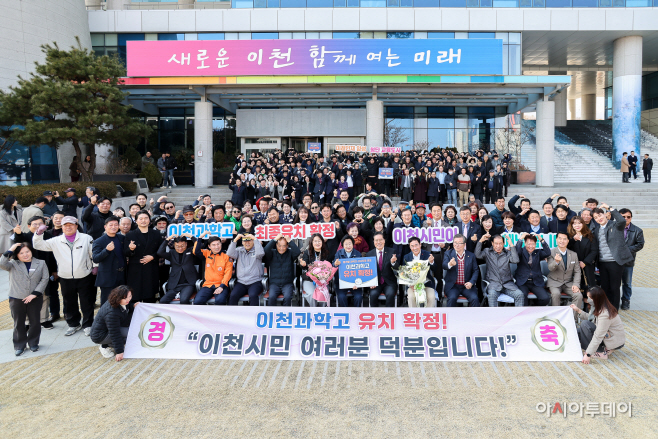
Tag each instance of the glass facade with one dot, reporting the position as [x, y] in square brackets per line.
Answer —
[649, 94]
[173, 130]
[463, 128]
[442, 3]
[23, 165]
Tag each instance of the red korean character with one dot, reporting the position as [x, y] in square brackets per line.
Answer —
[286, 230]
[315, 228]
[386, 321]
[299, 231]
[432, 321]
[411, 320]
[362, 273]
[366, 321]
[273, 230]
[260, 232]
[328, 230]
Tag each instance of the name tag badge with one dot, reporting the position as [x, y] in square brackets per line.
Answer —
[573, 262]
[219, 269]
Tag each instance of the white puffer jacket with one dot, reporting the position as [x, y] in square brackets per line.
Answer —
[72, 263]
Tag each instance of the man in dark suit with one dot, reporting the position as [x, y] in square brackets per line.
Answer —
[418, 254]
[461, 273]
[320, 187]
[386, 261]
[528, 274]
[107, 252]
[239, 192]
[647, 165]
[402, 249]
[635, 241]
[533, 224]
[614, 254]
[183, 274]
[469, 229]
[632, 165]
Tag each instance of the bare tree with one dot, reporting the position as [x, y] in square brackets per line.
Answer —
[421, 145]
[394, 135]
[511, 140]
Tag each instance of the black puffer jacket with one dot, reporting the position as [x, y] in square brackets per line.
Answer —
[281, 267]
[108, 321]
[95, 221]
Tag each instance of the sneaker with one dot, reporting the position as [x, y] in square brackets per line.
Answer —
[625, 305]
[87, 331]
[34, 348]
[19, 352]
[72, 330]
[47, 325]
[106, 352]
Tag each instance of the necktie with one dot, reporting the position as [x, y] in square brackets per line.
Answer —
[380, 263]
[530, 259]
[564, 260]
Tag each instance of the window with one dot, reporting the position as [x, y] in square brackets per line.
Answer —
[211, 36]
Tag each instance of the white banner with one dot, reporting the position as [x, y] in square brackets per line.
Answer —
[386, 334]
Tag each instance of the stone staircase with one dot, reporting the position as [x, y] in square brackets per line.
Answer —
[640, 198]
[575, 164]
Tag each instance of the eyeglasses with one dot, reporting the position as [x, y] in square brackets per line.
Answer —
[236, 211]
[315, 207]
[169, 208]
[627, 216]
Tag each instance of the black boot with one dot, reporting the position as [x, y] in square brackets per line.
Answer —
[625, 305]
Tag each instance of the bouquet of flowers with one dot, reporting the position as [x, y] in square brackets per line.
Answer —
[321, 272]
[414, 275]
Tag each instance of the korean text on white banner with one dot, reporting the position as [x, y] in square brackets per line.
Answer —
[549, 238]
[427, 235]
[295, 231]
[385, 149]
[351, 148]
[388, 334]
[223, 230]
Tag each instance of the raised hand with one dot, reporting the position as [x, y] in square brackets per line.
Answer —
[132, 245]
[452, 262]
[558, 258]
[394, 259]
[110, 246]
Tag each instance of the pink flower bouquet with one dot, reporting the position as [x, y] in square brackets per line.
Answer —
[321, 272]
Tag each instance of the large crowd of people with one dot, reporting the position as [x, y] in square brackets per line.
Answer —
[129, 258]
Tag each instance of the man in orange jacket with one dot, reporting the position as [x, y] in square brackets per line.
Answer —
[219, 270]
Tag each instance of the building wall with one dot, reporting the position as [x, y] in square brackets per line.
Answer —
[301, 123]
[375, 19]
[27, 24]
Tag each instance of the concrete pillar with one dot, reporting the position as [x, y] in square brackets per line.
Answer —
[626, 97]
[572, 109]
[545, 142]
[588, 107]
[203, 144]
[561, 109]
[374, 123]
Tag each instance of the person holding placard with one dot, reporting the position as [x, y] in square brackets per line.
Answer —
[347, 252]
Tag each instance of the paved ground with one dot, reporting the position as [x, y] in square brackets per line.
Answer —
[80, 394]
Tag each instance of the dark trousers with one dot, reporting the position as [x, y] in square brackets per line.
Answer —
[586, 333]
[19, 311]
[388, 290]
[647, 175]
[433, 200]
[633, 170]
[185, 291]
[105, 293]
[543, 298]
[108, 340]
[624, 177]
[460, 290]
[275, 290]
[84, 290]
[341, 295]
[489, 195]
[479, 196]
[206, 293]
[610, 274]
[52, 290]
[239, 290]
[406, 193]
